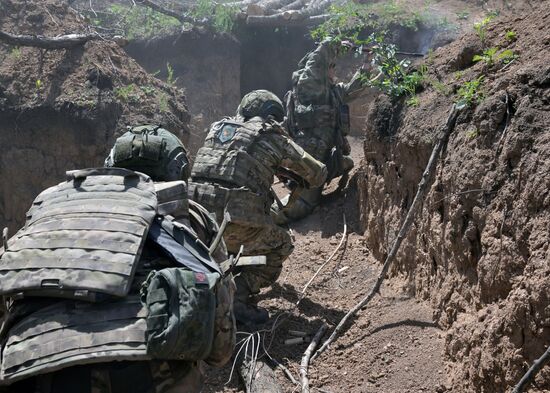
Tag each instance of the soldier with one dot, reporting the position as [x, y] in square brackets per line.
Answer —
[109, 287]
[318, 120]
[233, 172]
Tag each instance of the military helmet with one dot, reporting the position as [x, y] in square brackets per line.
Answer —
[152, 150]
[261, 103]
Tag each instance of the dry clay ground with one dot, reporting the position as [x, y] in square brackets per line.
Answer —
[392, 346]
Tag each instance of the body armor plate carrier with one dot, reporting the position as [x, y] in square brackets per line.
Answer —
[82, 238]
[74, 333]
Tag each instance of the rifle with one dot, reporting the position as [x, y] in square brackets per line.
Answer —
[361, 49]
[287, 175]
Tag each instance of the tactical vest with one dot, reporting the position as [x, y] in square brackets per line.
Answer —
[84, 240]
[228, 157]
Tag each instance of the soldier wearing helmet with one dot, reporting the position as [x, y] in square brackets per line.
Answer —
[318, 120]
[113, 287]
[233, 173]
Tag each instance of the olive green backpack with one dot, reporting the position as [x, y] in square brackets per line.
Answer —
[181, 304]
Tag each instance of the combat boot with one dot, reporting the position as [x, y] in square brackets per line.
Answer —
[249, 314]
[246, 312]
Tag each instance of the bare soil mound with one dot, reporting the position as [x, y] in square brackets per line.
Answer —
[61, 109]
[479, 248]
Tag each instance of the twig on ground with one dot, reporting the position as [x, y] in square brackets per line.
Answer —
[344, 236]
[533, 370]
[419, 197]
[285, 370]
[307, 355]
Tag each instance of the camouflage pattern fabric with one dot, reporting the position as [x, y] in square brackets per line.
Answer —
[318, 121]
[272, 241]
[234, 171]
[80, 338]
[82, 236]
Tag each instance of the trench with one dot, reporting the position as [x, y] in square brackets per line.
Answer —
[217, 70]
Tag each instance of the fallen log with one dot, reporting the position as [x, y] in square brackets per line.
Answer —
[40, 41]
[285, 19]
[419, 197]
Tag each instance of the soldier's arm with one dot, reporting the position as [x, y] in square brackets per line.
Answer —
[300, 162]
[313, 82]
[354, 88]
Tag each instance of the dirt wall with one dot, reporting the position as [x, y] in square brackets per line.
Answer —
[205, 65]
[479, 248]
[62, 109]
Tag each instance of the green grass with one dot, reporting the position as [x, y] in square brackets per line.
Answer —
[470, 93]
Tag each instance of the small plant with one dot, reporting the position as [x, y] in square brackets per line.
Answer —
[413, 101]
[170, 80]
[490, 56]
[507, 56]
[16, 52]
[148, 90]
[221, 16]
[349, 18]
[163, 102]
[394, 78]
[440, 87]
[462, 15]
[127, 93]
[481, 28]
[38, 84]
[470, 93]
[511, 35]
[458, 75]
[472, 133]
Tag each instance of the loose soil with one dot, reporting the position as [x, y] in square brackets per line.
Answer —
[392, 346]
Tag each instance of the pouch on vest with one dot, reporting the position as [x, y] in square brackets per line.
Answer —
[181, 313]
[344, 119]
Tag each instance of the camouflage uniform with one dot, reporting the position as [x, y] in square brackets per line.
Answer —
[318, 120]
[234, 171]
[113, 329]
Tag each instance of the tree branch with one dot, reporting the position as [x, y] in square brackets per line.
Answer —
[39, 41]
[419, 197]
[307, 355]
[533, 370]
[179, 16]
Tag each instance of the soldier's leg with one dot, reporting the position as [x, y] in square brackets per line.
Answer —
[191, 381]
[272, 241]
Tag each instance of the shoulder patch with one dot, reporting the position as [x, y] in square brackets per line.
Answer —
[225, 132]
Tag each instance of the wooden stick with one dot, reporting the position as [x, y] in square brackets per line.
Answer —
[307, 355]
[419, 197]
[285, 370]
[344, 236]
[39, 41]
[533, 370]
